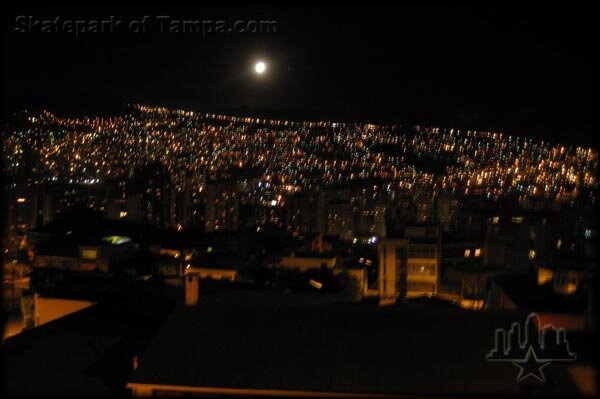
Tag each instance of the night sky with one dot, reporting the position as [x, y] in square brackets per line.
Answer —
[524, 70]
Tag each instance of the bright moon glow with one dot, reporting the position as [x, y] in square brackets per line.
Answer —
[260, 67]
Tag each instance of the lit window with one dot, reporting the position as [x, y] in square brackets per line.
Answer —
[315, 283]
[495, 220]
[467, 253]
[478, 252]
[426, 270]
[544, 275]
[558, 244]
[531, 254]
[21, 200]
[89, 254]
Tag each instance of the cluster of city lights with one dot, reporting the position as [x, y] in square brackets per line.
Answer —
[291, 155]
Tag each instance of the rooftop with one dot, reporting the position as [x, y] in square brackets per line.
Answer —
[525, 292]
[85, 353]
[271, 342]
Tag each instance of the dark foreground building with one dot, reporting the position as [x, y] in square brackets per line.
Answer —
[87, 353]
[271, 344]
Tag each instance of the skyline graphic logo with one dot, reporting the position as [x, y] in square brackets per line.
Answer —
[532, 350]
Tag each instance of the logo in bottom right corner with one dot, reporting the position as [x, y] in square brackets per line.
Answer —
[531, 349]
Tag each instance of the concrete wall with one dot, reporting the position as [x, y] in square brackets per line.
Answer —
[388, 268]
[49, 309]
[46, 310]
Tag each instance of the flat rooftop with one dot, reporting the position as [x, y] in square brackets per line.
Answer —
[270, 341]
[526, 293]
[87, 353]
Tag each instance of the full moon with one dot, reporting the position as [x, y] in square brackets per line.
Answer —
[260, 67]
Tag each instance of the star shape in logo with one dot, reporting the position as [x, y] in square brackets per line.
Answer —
[531, 366]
